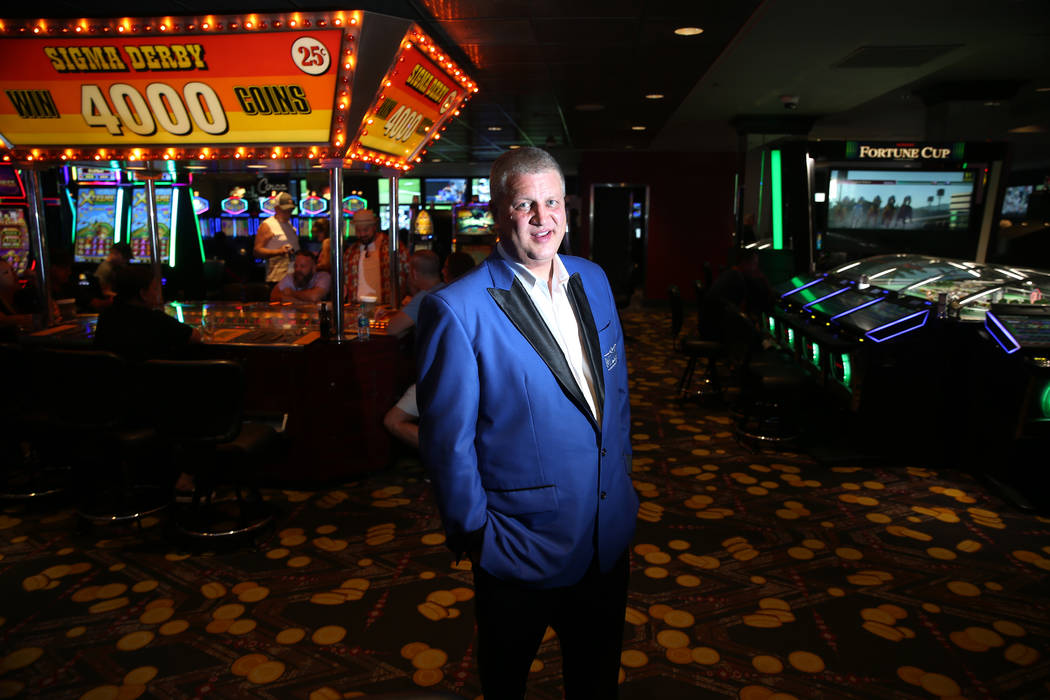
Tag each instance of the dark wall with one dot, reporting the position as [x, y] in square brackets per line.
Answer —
[690, 211]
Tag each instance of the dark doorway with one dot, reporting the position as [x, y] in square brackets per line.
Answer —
[619, 227]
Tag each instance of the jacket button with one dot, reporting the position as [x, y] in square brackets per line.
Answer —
[603, 495]
[603, 452]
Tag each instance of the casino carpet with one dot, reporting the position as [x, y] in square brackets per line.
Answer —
[755, 575]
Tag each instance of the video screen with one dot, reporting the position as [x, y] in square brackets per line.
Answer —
[404, 217]
[407, 189]
[445, 190]
[899, 199]
[474, 220]
[479, 189]
[1015, 200]
[98, 213]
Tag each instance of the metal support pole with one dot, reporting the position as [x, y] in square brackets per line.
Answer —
[38, 243]
[154, 229]
[335, 185]
[395, 266]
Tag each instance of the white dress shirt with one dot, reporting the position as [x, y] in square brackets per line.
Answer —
[556, 311]
[369, 276]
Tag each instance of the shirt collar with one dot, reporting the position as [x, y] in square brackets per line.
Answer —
[561, 275]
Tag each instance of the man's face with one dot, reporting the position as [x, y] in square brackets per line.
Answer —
[530, 218]
[365, 226]
[302, 270]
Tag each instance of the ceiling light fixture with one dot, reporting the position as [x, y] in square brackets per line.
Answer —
[256, 166]
[688, 31]
[637, 128]
[654, 96]
[1042, 89]
[513, 146]
[495, 128]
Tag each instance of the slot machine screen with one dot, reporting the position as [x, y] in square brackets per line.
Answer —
[14, 237]
[97, 221]
[474, 221]
[138, 224]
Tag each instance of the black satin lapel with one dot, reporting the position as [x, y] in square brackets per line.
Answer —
[519, 308]
[591, 345]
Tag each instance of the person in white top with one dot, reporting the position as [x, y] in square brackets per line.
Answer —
[276, 240]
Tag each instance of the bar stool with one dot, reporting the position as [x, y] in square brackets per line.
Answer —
[201, 419]
[84, 400]
[771, 397]
[694, 348]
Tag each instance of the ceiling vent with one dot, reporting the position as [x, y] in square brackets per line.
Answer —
[894, 56]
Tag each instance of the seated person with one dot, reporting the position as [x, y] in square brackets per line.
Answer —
[731, 307]
[424, 274]
[304, 283]
[134, 326]
[320, 231]
[17, 305]
[456, 265]
[403, 419]
[119, 257]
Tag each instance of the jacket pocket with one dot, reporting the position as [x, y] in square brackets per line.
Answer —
[536, 499]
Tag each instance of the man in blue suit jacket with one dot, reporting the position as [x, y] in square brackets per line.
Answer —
[525, 429]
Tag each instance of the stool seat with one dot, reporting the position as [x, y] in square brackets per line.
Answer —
[701, 348]
[777, 377]
[253, 439]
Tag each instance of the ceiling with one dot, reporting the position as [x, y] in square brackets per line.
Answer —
[573, 75]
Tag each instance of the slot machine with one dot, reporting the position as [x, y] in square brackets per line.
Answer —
[14, 230]
[97, 201]
[474, 231]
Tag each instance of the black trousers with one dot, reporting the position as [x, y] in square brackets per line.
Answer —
[587, 616]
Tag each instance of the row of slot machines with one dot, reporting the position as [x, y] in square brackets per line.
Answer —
[917, 346]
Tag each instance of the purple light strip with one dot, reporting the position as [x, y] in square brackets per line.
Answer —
[796, 289]
[856, 308]
[1010, 336]
[925, 315]
[826, 296]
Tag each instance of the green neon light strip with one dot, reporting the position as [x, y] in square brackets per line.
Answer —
[172, 218]
[791, 337]
[1044, 401]
[120, 214]
[816, 354]
[777, 200]
[847, 371]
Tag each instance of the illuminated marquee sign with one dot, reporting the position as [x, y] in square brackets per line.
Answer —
[248, 86]
[149, 89]
[421, 92]
[905, 151]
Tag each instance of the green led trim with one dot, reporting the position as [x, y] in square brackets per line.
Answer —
[1044, 401]
[816, 354]
[791, 337]
[772, 325]
[778, 200]
[847, 370]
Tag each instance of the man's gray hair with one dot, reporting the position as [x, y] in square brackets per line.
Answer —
[520, 161]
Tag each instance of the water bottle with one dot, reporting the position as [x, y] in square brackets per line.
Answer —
[362, 326]
[324, 321]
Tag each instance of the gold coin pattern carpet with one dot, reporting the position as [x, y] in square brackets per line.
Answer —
[754, 575]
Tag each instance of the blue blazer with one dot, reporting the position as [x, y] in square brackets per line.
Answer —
[520, 467]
